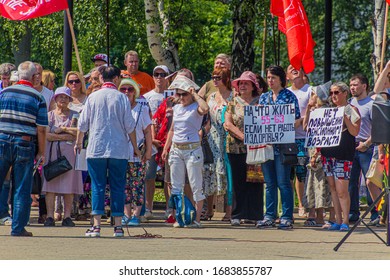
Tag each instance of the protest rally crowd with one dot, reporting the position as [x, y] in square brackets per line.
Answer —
[94, 146]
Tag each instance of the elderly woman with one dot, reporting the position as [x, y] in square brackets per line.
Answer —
[277, 174]
[60, 133]
[136, 168]
[248, 195]
[221, 61]
[337, 161]
[186, 151]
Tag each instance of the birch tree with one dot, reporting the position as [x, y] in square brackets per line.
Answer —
[378, 23]
[162, 48]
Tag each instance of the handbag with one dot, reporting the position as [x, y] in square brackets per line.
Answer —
[375, 172]
[56, 167]
[288, 153]
[257, 154]
[37, 184]
[207, 152]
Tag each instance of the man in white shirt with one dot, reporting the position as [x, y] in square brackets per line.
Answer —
[302, 91]
[154, 97]
[107, 116]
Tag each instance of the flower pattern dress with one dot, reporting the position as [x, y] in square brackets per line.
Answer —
[214, 177]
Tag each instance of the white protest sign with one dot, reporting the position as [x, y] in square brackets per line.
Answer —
[269, 124]
[324, 127]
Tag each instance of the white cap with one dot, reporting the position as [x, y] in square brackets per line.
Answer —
[162, 67]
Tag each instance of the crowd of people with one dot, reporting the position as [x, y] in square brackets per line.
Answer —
[130, 125]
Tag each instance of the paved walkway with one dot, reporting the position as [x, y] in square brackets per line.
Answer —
[216, 240]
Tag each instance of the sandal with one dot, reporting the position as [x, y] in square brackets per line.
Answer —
[311, 222]
[93, 231]
[206, 217]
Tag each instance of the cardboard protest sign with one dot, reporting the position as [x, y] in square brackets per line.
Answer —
[325, 127]
[269, 124]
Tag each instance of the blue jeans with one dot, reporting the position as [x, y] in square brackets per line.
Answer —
[361, 163]
[115, 169]
[18, 153]
[4, 195]
[277, 175]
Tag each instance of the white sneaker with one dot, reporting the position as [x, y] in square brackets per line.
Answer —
[148, 214]
[235, 222]
[168, 212]
[7, 221]
[177, 225]
[143, 219]
[194, 224]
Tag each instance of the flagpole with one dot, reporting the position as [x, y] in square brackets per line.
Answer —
[384, 38]
[74, 41]
[264, 43]
[108, 30]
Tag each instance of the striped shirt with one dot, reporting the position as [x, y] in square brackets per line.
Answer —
[22, 109]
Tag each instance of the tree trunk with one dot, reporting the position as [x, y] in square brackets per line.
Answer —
[378, 22]
[162, 55]
[23, 50]
[243, 36]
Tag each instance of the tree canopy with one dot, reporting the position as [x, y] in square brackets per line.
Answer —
[200, 29]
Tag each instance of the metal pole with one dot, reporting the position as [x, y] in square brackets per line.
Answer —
[67, 46]
[264, 43]
[328, 41]
[108, 30]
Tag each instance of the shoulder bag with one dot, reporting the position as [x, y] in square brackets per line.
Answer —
[56, 167]
[288, 153]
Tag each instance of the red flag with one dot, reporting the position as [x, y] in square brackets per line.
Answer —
[27, 9]
[294, 23]
[388, 2]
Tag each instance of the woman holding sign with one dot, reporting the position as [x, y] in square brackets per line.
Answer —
[337, 161]
[277, 174]
[248, 195]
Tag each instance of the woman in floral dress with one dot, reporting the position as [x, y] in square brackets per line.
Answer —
[215, 181]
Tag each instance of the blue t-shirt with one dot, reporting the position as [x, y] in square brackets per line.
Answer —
[22, 109]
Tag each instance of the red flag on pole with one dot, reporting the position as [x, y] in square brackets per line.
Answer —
[27, 9]
[294, 23]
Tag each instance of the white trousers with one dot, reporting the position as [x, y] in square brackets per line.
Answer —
[192, 160]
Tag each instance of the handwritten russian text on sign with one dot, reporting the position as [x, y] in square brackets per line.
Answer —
[269, 124]
[324, 127]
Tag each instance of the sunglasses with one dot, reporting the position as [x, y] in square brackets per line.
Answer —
[336, 92]
[216, 78]
[182, 94]
[159, 75]
[127, 89]
[74, 81]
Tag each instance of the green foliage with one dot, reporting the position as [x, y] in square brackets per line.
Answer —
[200, 28]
